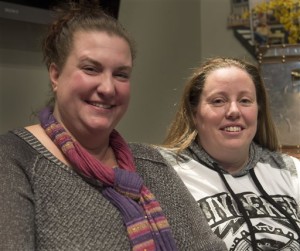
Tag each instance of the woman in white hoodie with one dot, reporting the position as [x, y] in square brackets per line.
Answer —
[224, 146]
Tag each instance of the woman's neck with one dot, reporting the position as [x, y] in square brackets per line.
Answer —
[231, 161]
[106, 156]
[234, 166]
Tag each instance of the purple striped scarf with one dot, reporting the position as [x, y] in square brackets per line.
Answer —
[147, 227]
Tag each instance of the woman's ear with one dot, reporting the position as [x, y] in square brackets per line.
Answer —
[54, 75]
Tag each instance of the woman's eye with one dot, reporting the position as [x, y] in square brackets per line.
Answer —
[245, 101]
[89, 69]
[218, 101]
[122, 76]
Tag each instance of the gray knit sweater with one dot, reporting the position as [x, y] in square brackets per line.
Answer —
[45, 205]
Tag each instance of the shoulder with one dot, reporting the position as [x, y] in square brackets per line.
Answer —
[16, 196]
[274, 158]
[145, 152]
[296, 161]
[292, 164]
[281, 161]
[150, 163]
[10, 142]
[16, 149]
[8, 137]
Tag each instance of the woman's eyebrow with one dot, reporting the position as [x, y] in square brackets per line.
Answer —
[97, 63]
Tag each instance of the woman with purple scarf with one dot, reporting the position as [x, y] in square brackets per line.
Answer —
[71, 182]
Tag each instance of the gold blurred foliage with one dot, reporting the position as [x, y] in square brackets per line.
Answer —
[286, 12]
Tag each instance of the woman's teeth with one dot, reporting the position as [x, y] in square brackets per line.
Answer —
[233, 129]
[100, 105]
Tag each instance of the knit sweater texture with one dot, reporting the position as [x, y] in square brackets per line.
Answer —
[46, 205]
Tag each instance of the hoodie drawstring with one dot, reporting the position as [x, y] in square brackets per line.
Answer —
[273, 202]
[240, 207]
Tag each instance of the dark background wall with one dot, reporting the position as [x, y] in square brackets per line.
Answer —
[173, 36]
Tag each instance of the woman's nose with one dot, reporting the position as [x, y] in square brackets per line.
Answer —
[106, 84]
[233, 110]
